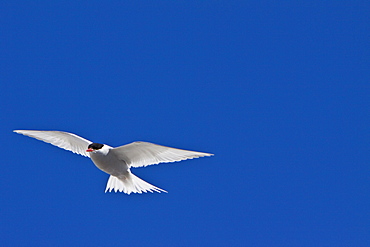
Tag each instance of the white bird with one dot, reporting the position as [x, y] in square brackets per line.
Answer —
[117, 161]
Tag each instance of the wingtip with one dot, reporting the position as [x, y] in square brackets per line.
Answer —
[207, 155]
[19, 132]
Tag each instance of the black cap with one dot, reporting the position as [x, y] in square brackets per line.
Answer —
[95, 146]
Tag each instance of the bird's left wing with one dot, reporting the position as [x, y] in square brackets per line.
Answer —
[138, 154]
[65, 140]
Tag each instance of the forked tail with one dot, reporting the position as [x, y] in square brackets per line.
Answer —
[129, 183]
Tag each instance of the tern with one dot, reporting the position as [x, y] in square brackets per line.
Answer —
[117, 161]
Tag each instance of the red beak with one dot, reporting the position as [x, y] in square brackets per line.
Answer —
[89, 150]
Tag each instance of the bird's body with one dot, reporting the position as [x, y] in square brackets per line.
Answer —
[108, 162]
[117, 161]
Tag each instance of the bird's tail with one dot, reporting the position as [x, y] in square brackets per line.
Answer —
[129, 183]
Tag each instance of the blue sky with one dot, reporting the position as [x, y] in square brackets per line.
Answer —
[278, 91]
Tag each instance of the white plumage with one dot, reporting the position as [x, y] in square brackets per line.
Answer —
[117, 161]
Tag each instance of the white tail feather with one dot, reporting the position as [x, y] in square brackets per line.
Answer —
[129, 183]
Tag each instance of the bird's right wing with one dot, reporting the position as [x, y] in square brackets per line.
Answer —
[65, 140]
[138, 154]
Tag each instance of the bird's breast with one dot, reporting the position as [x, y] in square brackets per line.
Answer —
[109, 163]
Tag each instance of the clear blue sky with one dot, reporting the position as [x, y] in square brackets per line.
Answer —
[277, 90]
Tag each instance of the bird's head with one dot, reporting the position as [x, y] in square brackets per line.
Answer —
[94, 146]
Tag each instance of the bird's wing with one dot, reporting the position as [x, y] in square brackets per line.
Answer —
[138, 154]
[65, 140]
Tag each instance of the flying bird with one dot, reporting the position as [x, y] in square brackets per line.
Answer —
[117, 161]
